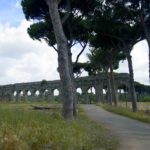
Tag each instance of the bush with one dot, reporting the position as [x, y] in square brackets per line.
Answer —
[143, 99]
[146, 99]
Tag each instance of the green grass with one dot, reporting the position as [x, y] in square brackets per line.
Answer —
[22, 128]
[142, 106]
[139, 115]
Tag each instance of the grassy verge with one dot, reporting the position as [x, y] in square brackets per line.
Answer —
[142, 106]
[22, 128]
[141, 116]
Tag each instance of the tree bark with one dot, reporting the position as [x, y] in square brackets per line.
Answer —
[64, 65]
[132, 88]
[74, 89]
[99, 93]
[109, 92]
[113, 89]
[148, 41]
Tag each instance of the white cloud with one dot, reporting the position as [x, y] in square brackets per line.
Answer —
[22, 59]
[140, 62]
[18, 4]
[25, 60]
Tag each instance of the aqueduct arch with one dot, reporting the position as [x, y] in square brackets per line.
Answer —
[46, 90]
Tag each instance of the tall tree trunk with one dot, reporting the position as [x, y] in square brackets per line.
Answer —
[74, 87]
[132, 88]
[64, 65]
[113, 89]
[109, 92]
[148, 41]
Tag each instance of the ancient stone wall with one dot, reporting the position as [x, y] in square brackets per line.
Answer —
[45, 90]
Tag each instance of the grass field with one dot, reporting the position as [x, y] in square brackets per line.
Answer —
[143, 113]
[22, 128]
[141, 105]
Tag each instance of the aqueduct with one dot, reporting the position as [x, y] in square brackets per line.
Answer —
[33, 90]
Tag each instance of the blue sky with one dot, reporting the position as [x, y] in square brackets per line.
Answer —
[25, 60]
[11, 12]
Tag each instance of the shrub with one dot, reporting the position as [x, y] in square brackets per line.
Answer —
[146, 99]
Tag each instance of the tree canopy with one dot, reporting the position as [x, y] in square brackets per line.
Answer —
[73, 16]
[110, 27]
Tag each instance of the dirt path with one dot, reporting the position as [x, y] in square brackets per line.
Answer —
[134, 135]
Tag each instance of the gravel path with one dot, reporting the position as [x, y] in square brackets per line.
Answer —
[134, 135]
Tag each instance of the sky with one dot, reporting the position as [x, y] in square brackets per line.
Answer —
[25, 60]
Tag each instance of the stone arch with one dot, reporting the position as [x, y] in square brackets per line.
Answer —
[45, 92]
[91, 94]
[49, 94]
[79, 90]
[84, 82]
[21, 93]
[91, 90]
[6, 96]
[105, 91]
[123, 91]
[79, 93]
[37, 93]
[28, 93]
[55, 95]
[56, 92]
[15, 93]
[124, 86]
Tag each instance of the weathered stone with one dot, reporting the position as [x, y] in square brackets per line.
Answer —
[21, 89]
